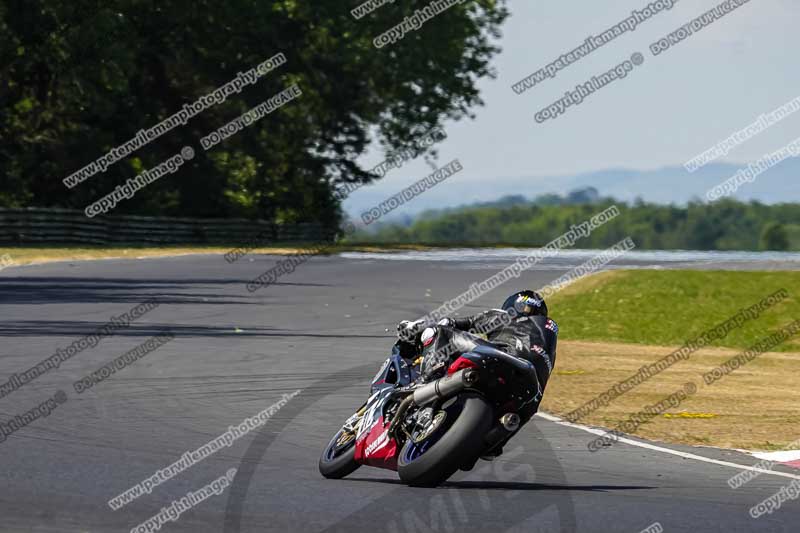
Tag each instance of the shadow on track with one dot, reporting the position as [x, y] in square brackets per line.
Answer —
[66, 290]
[60, 328]
[508, 485]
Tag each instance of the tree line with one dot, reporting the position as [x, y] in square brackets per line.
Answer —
[724, 225]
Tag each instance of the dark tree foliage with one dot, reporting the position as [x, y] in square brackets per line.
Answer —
[775, 238]
[79, 77]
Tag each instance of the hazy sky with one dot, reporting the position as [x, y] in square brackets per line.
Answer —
[666, 111]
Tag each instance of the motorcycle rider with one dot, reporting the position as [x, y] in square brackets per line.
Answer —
[520, 328]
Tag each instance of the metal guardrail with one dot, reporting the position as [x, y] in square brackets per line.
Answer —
[67, 226]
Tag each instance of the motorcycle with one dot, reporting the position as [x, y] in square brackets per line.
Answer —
[426, 420]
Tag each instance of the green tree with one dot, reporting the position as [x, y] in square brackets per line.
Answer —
[775, 237]
[79, 77]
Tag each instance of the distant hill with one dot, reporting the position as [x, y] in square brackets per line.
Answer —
[672, 185]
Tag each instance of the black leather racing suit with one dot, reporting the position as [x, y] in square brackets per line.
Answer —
[533, 338]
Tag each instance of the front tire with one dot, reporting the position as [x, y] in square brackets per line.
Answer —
[426, 465]
[338, 460]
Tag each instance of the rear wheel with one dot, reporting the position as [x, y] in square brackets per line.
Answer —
[454, 437]
[338, 458]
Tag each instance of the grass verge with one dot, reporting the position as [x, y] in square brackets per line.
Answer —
[669, 307]
[627, 319]
[753, 408]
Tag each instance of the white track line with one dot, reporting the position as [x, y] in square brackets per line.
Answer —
[786, 456]
[649, 446]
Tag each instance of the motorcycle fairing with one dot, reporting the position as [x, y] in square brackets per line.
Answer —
[374, 447]
[377, 448]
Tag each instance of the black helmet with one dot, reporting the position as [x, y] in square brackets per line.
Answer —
[526, 303]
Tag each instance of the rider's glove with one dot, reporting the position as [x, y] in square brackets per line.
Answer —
[447, 321]
[408, 330]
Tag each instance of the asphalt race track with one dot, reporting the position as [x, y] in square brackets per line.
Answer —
[320, 330]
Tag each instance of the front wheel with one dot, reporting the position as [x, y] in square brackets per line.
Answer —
[338, 458]
[454, 437]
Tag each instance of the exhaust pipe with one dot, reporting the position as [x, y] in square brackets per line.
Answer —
[441, 388]
[446, 386]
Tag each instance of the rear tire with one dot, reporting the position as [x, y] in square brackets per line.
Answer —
[461, 444]
[336, 464]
